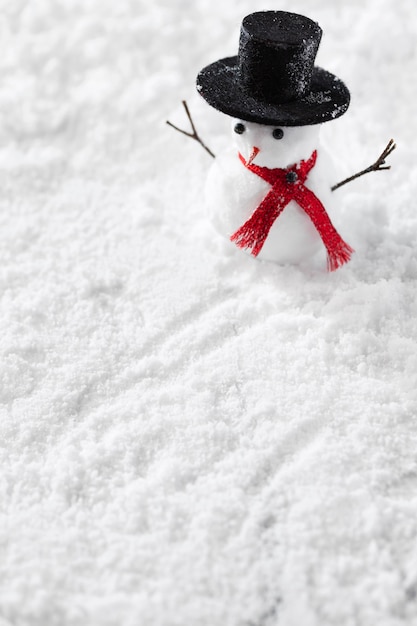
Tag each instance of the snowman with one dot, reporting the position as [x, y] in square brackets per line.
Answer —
[270, 194]
[264, 196]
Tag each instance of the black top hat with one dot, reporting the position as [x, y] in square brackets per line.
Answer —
[273, 79]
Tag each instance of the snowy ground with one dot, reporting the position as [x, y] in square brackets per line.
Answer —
[190, 437]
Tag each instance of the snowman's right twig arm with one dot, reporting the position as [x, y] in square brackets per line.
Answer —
[375, 167]
[194, 134]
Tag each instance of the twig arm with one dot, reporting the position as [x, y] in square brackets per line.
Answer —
[194, 134]
[375, 167]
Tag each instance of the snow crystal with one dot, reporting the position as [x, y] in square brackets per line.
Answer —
[320, 97]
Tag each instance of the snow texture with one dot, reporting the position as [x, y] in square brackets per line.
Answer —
[189, 436]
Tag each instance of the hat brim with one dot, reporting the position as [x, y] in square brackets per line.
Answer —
[327, 98]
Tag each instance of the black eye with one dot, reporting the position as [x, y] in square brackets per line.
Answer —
[239, 128]
[278, 133]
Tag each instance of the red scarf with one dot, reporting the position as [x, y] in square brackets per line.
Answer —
[288, 184]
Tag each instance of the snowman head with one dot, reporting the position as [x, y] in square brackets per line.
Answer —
[275, 146]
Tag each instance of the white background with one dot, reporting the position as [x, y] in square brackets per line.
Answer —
[191, 437]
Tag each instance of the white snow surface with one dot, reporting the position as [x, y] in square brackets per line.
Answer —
[189, 436]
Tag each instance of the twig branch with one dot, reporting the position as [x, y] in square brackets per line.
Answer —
[377, 166]
[194, 134]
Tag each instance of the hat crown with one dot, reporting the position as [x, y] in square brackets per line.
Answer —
[276, 57]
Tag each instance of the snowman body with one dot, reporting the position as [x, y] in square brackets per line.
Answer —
[233, 192]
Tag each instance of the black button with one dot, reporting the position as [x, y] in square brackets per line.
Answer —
[291, 177]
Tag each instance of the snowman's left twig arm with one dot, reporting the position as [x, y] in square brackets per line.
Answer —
[194, 134]
[377, 166]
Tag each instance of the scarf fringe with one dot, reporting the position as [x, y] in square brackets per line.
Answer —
[246, 238]
[339, 256]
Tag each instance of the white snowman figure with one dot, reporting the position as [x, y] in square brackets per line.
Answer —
[270, 194]
[240, 191]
